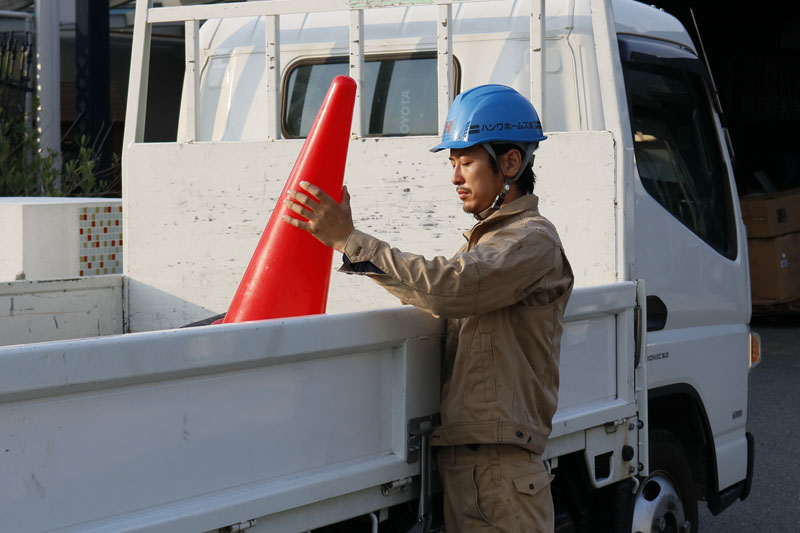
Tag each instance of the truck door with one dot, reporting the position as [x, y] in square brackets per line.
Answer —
[691, 249]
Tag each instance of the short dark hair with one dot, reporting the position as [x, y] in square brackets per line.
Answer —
[527, 180]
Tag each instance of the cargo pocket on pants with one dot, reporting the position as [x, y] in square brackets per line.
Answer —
[531, 484]
[534, 499]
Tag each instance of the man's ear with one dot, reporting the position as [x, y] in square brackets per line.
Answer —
[510, 163]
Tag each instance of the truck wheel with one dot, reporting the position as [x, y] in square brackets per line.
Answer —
[666, 500]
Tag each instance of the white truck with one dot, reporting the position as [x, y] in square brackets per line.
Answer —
[296, 424]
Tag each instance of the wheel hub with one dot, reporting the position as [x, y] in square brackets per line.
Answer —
[658, 507]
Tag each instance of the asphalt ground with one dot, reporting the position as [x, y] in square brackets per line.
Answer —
[774, 419]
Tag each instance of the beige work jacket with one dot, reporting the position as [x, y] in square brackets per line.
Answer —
[504, 292]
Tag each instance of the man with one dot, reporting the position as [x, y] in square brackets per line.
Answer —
[504, 294]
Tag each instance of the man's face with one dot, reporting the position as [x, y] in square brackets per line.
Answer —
[476, 184]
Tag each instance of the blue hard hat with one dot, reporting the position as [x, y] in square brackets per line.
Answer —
[487, 114]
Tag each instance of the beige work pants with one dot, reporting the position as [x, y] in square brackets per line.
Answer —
[497, 487]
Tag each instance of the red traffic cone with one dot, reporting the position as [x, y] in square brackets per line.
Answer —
[290, 270]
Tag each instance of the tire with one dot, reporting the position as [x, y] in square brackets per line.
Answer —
[666, 500]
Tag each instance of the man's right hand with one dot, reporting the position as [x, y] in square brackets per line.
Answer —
[329, 222]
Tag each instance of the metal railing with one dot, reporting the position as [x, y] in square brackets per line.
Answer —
[147, 15]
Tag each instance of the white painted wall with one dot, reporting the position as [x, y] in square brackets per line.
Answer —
[41, 236]
[11, 259]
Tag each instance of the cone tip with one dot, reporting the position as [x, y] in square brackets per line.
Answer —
[343, 80]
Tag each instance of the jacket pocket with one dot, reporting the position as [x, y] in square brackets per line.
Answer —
[532, 484]
[487, 363]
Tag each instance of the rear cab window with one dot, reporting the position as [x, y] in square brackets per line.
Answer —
[399, 92]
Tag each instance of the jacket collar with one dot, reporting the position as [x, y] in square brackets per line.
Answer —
[528, 202]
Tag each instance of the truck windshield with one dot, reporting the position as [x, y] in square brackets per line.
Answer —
[399, 93]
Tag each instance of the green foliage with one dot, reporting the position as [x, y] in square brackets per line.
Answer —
[26, 171]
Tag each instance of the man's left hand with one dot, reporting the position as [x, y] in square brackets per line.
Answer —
[329, 222]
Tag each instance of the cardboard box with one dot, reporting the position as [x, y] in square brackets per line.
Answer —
[775, 269]
[770, 215]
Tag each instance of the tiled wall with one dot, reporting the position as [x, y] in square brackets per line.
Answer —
[100, 241]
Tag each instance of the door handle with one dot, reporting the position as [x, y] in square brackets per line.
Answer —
[656, 313]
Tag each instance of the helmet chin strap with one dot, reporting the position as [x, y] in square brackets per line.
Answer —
[500, 198]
